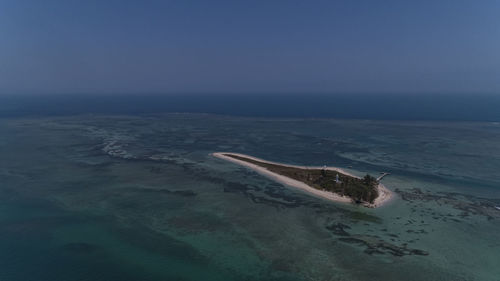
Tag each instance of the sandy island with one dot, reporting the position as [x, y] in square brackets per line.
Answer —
[384, 194]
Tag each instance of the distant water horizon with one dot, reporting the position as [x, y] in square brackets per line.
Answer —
[425, 107]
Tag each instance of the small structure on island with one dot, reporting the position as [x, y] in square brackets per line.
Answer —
[337, 179]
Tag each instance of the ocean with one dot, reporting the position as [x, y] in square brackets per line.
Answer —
[129, 196]
[435, 107]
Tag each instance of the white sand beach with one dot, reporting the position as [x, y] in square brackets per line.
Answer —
[385, 195]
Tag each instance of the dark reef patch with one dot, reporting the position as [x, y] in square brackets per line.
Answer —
[339, 229]
[375, 245]
[466, 204]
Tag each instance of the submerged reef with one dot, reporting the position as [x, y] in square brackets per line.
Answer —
[467, 205]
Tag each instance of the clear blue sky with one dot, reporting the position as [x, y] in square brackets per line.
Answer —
[249, 46]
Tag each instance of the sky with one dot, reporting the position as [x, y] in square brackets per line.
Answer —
[249, 47]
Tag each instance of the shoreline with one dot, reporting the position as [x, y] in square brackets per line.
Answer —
[385, 195]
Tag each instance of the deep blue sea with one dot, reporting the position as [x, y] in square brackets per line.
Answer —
[471, 107]
[126, 189]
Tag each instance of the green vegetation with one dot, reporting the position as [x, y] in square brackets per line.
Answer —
[360, 190]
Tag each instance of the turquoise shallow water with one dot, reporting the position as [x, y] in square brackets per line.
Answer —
[140, 198]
